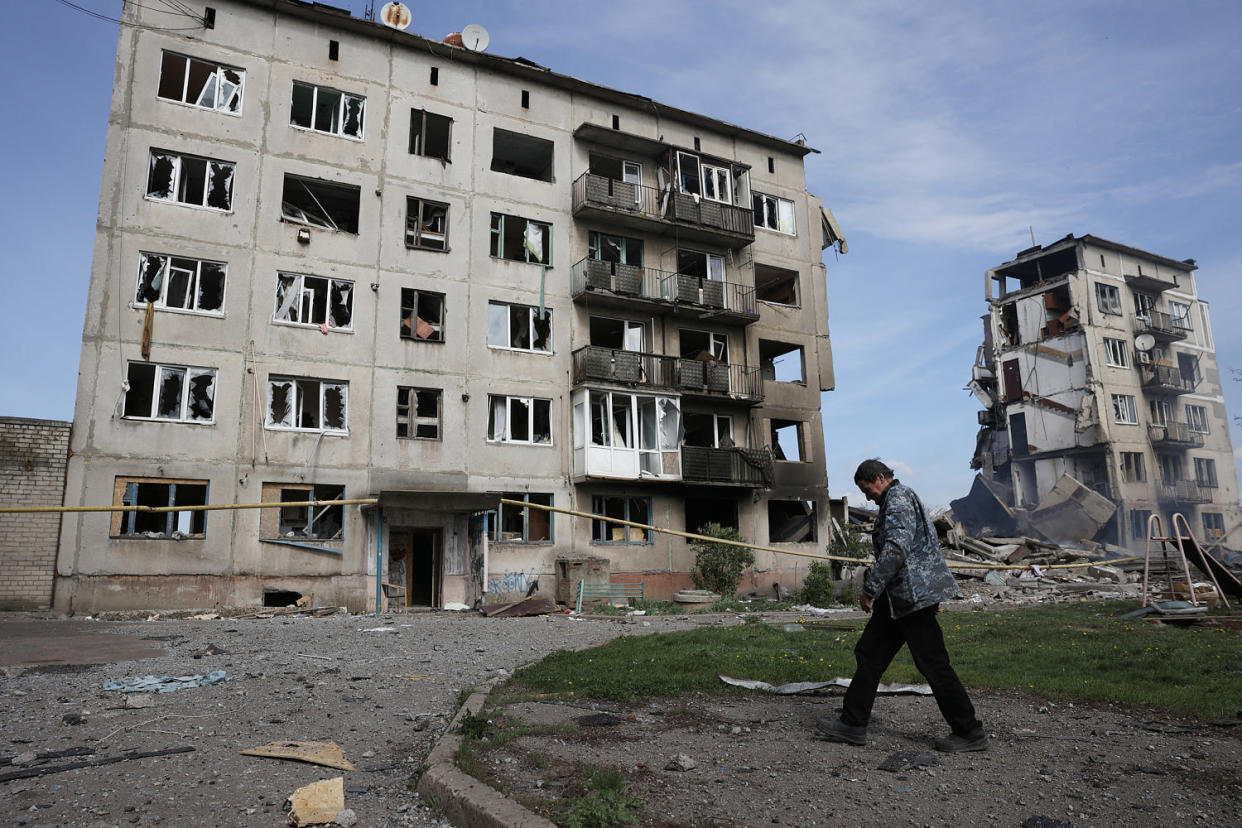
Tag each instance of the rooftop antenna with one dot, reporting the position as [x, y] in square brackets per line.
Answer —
[369, 14]
[395, 15]
[1031, 227]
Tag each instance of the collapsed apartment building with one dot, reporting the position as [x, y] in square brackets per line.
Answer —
[1102, 400]
[336, 259]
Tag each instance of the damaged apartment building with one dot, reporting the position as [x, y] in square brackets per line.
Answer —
[338, 260]
[1102, 400]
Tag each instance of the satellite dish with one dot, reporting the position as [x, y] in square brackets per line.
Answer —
[475, 38]
[1144, 342]
[396, 16]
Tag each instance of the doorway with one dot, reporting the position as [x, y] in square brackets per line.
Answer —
[415, 562]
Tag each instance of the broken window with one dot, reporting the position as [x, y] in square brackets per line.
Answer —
[1170, 468]
[519, 420]
[1108, 298]
[327, 110]
[781, 361]
[617, 169]
[422, 315]
[426, 224]
[704, 345]
[701, 511]
[1179, 315]
[1196, 418]
[773, 213]
[314, 300]
[325, 522]
[176, 283]
[1161, 412]
[792, 521]
[634, 509]
[1132, 470]
[1138, 523]
[189, 179]
[703, 265]
[1213, 525]
[619, 249]
[430, 134]
[1188, 369]
[1205, 472]
[200, 83]
[159, 493]
[174, 393]
[1124, 410]
[307, 404]
[516, 154]
[320, 203]
[776, 285]
[418, 413]
[709, 430]
[519, 327]
[622, 334]
[787, 440]
[517, 524]
[521, 240]
[1116, 352]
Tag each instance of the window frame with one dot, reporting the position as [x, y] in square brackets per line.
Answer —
[1180, 321]
[532, 416]
[298, 287]
[1133, 468]
[124, 524]
[165, 274]
[295, 405]
[1108, 298]
[339, 117]
[758, 199]
[1205, 472]
[275, 493]
[420, 223]
[413, 418]
[497, 239]
[177, 182]
[160, 370]
[1116, 352]
[1216, 529]
[599, 507]
[496, 518]
[1197, 419]
[523, 144]
[532, 320]
[219, 74]
[410, 299]
[1127, 402]
[306, 219]
[418, 138]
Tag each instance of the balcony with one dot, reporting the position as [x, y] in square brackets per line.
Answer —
[622, 285]
[1151, 283]
[651, 209]
[709, 379]
[1183, 491]
[726, 466]
[1174, 435]
[1163, 327]
[1166, 379]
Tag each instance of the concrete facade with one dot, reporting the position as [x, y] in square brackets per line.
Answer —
[1098, 363]
[33, 454]
[409, 361]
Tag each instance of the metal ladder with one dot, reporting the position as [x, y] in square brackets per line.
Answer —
[1155, 533]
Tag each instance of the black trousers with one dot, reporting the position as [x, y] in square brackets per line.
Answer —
[881, 641]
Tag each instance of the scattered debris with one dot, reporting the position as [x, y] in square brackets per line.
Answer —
[328, 754]
[311, 612]
[536, 605]
[379, 629]
[206, 616]
[796, 687]
[209, 650]
[317, 803]
[44, 770]
[165, 684]
[681, 762]
[73, 718]
[906, 759]
[696, 596]
[137, 701]
[807, 608]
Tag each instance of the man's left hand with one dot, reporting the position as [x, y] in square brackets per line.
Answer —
[865, 603]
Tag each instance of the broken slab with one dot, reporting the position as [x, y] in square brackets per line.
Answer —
[535, 605]
[317, 803]
[328, 754]
[1071, 512]
[796, 687]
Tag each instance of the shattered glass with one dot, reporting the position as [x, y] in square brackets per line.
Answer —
[353, 116]
[139, 397]
[150, 277]
[192, 180]
[334, 406]
[160, 176]
[280, 403]
[308, 404]
[172, 381]
[210, 286]
[202, 396]
[221, 194]
[342, 294]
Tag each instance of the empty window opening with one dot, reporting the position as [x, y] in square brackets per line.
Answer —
[618, 249]
[520, 239]
[701, 511]
[422, 315]
[418, 413]
[334, 50]
[771, 164]
[327, 110]
[435, 76]
[776, 285]
[189, 179]
[792, 521]
[622, 334]
[1188, 367]
[704, 345]
[314, 300]
[426, 224]
[201, 83]
[1138, 519]
[325, 522]
[177, 283]
[773, 213]
[519, 327]
[787, 440]
[281, 598]
[160, 493]
[307, 404]
[519, 420]
[525, 99]
[170, 392]
[321, 203]
[781, 361]
[709, 430]
[1017, 435]
[430, 134]
[518, 524]
[1132, 470]
[701, 265]
[634, 509]
[616, 121]
[522, 155]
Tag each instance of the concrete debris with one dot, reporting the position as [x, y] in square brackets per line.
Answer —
[1071, 511]
[796, 687]
[535, 605]
[318, 803]
[681, 762]
[328, 754]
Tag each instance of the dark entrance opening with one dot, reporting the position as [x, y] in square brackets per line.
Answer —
[280, 598]
[424, 567]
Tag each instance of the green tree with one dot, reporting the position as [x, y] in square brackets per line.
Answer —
[719, 566]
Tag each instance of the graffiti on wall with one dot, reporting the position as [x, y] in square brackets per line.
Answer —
[511, 582]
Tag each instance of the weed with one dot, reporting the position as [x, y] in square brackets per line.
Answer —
[434, 805]
[475, 726]
[604, 802]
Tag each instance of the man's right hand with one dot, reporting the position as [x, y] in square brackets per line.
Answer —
[865, 603]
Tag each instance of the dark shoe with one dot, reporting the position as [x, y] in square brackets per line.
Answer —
[960, 744]
[835, 730]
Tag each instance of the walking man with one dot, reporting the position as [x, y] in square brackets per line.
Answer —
[905, 588]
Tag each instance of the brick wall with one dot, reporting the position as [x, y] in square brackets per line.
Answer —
[33, 454]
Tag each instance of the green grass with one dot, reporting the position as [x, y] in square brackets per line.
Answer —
[1073, 652]
[601, 799]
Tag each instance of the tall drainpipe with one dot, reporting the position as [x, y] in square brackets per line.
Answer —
[379, 559]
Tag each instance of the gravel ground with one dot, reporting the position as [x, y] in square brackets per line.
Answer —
[385, 697]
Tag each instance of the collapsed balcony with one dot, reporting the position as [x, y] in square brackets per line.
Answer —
[697, 297]
[706, 378]
[662, 210]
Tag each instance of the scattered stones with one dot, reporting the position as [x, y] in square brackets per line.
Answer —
[681, 762]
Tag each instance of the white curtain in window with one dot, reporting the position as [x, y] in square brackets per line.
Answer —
[499, 429]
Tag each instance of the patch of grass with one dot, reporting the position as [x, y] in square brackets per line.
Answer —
[434, 805]
[1075, 651]
[600, 799]
[732, 604]
[462, 694]
[487, 733]
[475, 727]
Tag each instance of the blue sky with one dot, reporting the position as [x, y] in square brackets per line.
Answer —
[945, 133]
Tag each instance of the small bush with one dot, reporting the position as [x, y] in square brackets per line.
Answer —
[718, 566]
[605, 803]
[817, 586]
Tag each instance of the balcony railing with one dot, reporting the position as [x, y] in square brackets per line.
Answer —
[1184, 491]
[665, 207]
[726, 466]
[1166, 378]
[673, 289]
[1162, 326]
[717, 380]
[1174, 435]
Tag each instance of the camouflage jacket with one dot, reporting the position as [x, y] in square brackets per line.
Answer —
[908, 560]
